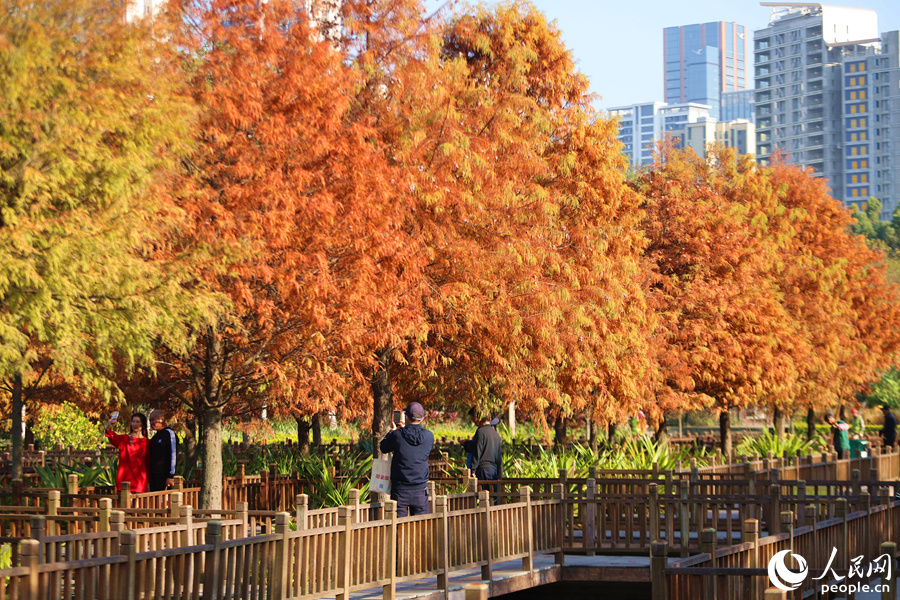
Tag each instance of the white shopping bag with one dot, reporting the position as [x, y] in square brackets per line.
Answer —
[380, 480]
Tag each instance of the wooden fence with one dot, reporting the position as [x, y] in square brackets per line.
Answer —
[739, 571]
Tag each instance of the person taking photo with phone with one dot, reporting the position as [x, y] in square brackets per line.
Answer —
[411, 444]
[133, 448]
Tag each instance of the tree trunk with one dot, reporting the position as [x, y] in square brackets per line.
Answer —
[810, 423]
[18, 409]
[383, 399]
[191, 449]
[842, 414]
[725, 440]
[512, 419]
[303, 427]
[610, 435]
[778, 422]
[592, 434]
[662, 432]
[211, 482]
[317, 430]
[559, 437]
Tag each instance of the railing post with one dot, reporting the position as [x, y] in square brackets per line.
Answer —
[588, 533]
[659, 557]
[801, 502]
[484, 503]
[186, 520]
[431, 491]
[178, 483]
[211, 562]
[774, 509]
[175, 500]
[865, 505]
[442, 509]
[840, 512]
[787, 526]
[774, 594]
[353, 503]
[389, 590]
[708, 546]
[301, 507]
[29, 551]
[128, 574]
[476, 591]
[889, 587]
[346, 546]
[281, 565]
[125, 496]
[525, 497]
[38, 531]
[105, 510]
[654, 512]
[751, 536]
[559, 493]
[684, 521]
[72, 484]
[243, 513]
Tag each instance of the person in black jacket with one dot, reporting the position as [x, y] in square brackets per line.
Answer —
[486, 448]
[162, 453]
[889, 430]
[411, 444]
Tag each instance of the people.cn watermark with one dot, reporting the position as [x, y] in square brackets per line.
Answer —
[790, 578]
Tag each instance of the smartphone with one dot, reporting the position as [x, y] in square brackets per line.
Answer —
[398, 417]
[115, 416]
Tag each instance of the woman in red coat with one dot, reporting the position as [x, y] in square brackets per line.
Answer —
[133, 449]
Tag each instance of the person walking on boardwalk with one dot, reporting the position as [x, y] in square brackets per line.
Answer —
[163, 451]
[410, 444]
[841, 439]
[486, 448]
[889, 430]
[133, 449]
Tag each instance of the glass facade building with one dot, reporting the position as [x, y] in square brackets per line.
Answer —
[704, 61]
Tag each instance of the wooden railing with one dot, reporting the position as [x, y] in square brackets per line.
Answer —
[739, 571]
[302, 563]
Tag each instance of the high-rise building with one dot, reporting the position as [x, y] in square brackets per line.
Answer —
[704, 61]
[827, 94]
[642, 125]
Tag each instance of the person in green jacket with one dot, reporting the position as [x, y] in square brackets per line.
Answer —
[857, 426]
[841, 439]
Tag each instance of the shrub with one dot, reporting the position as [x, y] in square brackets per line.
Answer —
[66, 424]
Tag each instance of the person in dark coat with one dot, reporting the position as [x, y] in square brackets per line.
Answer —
[162, 454]
[410, 444]
[889, 430]
[486, 448]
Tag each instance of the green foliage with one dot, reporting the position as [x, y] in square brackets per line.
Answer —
[66, 425]
[331, 492]
[639, 453]
[769, 442]
[56, 476]
[885, 391]
[5, 556]
[92, 121]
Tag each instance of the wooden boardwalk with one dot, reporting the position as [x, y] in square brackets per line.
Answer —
[693, 536]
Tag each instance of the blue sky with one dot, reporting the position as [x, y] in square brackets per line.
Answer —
[618, 45]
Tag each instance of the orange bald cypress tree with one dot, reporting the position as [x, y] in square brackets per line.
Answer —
[834, 287]
[527, 224]
[728, 338]
[287, 187]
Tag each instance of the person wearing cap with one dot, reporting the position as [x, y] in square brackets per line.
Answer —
[841, 440]
[411, 444]
[889, 429]
[857, 425]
